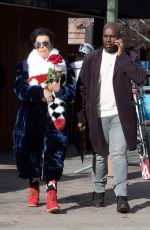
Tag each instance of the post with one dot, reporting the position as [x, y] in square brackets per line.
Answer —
[112, 10]
[112, 16]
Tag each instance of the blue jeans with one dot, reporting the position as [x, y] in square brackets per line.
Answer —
[117, 147]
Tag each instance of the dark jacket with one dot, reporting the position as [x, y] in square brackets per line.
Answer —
[126, 68]
[32, 117]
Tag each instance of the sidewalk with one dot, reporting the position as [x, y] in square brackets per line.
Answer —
[75, 199]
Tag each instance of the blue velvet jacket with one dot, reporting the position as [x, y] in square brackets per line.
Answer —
[32, 117]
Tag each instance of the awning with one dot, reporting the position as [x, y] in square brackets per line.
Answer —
[95, 8]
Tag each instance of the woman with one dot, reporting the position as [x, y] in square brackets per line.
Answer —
[40, 133]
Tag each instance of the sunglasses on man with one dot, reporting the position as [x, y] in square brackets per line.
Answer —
[38, 45]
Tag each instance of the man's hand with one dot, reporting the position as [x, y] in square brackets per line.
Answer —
[81, 126]
[120, 44]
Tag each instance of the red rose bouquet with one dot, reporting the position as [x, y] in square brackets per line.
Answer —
[54, 74]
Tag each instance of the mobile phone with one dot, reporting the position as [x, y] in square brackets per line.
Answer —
[112, 48]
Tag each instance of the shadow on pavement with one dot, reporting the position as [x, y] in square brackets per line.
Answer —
[144, 205]
[78, 201]
[73, 177]
[137, 190]
[9, 181]
[134, 175]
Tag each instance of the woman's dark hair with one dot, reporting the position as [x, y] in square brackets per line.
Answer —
[42, 31]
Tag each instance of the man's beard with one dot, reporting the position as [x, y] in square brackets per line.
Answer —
[111, 49]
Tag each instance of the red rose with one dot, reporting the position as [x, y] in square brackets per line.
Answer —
[55, 58]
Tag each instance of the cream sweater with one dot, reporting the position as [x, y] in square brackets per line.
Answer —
[106, 104]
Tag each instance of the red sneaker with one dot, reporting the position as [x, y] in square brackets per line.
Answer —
[34, 193]
[51, 201]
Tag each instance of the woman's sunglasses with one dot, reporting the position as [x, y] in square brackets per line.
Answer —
[38, 45]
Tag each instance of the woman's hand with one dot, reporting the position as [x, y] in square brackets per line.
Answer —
[55, 86]
[48, 95]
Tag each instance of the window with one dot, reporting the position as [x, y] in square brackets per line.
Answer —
[80, 30]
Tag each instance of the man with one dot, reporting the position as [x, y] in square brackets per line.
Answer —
[105, 104]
